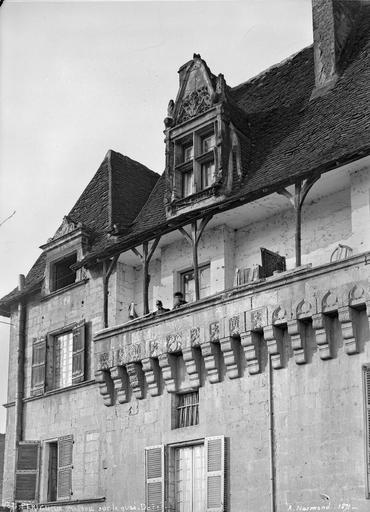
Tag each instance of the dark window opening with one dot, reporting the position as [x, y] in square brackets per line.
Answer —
[53, 471]
[62, 274]
[187, 409]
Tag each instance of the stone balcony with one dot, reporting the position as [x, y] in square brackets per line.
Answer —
[288, 316]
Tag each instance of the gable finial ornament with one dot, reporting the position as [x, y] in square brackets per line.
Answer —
[168, 122]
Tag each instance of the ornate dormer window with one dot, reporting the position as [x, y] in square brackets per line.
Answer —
[63, 250]
[203, 144]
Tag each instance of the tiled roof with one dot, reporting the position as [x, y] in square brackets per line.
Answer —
[292, 135]
[114, 196]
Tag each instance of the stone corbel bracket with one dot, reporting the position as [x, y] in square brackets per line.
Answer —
[274, 337]
[210, 353]
[229, 349]
[250, 342]
[320, 320]
[192, 362]
[322, 340]
[120, 383]
[296, 330]
[136, 378]
[151, 372]
[106, 389]
[167, 363]
[357, 300]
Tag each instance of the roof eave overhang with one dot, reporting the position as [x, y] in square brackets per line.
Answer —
[236, 200]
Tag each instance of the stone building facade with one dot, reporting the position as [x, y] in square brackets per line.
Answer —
[253, 393]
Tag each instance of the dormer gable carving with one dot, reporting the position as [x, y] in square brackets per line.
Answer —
[206, 139]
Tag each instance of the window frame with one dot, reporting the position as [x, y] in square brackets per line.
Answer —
[193, 407]
[52, 274]
[188, 270]
[80, 359]
[45, 469]
[193, 166]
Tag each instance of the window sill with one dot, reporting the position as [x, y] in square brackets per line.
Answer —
[65, 289]
[197, 196]
[71, 502]
[60, 390]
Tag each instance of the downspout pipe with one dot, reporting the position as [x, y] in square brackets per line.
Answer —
[272, 436]
[19, 384]
[19, 387]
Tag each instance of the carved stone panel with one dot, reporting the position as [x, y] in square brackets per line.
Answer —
[195, 337]
[174, 343]
[214, 331]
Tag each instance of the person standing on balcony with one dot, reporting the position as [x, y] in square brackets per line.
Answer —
[160, 308]
[178, 300]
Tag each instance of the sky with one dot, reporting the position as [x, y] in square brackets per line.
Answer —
[78, 78]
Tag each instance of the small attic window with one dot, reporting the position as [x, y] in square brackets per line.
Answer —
[61, 273]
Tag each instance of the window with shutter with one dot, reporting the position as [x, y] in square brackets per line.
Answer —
[154, 478]
[78, 356]
[27, 471]
[367, 425]
[64, 478]
[215, 473]
[38, 366]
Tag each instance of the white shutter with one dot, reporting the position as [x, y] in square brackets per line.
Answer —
[215, 473]
[154, 478]
[64, 480]
[367, 427]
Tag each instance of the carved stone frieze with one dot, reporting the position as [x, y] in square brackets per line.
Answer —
[234, 325]
[195, 337]
[155, 348]
[256, 319]
[104, 360]
[329, 302]
[214, 331]
[174, 342]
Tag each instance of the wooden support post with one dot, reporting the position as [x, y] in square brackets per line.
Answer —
[145, 257]
[194, 238]
[301, 190]
[108, 266]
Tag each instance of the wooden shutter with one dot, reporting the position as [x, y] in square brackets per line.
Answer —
[215, 473]
[78, 357]
[154, 478]
[64, 481]
[27, 471]
[367, 426]
[38, 366]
